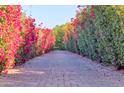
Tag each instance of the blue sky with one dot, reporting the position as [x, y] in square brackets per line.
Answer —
[51, 15]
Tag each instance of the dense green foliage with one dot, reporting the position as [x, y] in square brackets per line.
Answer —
[100, 32]
[103, 36]
[59, 34]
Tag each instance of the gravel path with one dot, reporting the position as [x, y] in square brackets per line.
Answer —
[62, 69]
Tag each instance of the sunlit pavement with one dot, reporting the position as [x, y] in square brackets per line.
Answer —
[61, 69]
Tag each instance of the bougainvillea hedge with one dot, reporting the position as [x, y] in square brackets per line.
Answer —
[19, 37]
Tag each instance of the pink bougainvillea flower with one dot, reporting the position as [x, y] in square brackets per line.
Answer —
[1, 54]
[1, 13]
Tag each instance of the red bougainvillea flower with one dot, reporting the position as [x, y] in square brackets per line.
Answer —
[92, 14]
[1, 54]
[1, 13]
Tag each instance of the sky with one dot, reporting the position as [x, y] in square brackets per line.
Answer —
[50, 15]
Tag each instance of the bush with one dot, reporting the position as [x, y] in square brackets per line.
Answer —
[59, 34]
[19, 37]
[100, 34]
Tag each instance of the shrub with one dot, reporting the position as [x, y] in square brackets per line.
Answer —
[19, 37]
[100, 34]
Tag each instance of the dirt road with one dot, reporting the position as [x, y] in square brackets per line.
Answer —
[62, 69]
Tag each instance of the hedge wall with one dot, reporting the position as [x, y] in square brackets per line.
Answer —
[100, 31]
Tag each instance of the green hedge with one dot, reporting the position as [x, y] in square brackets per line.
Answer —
[59, 34]
[101, 38]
